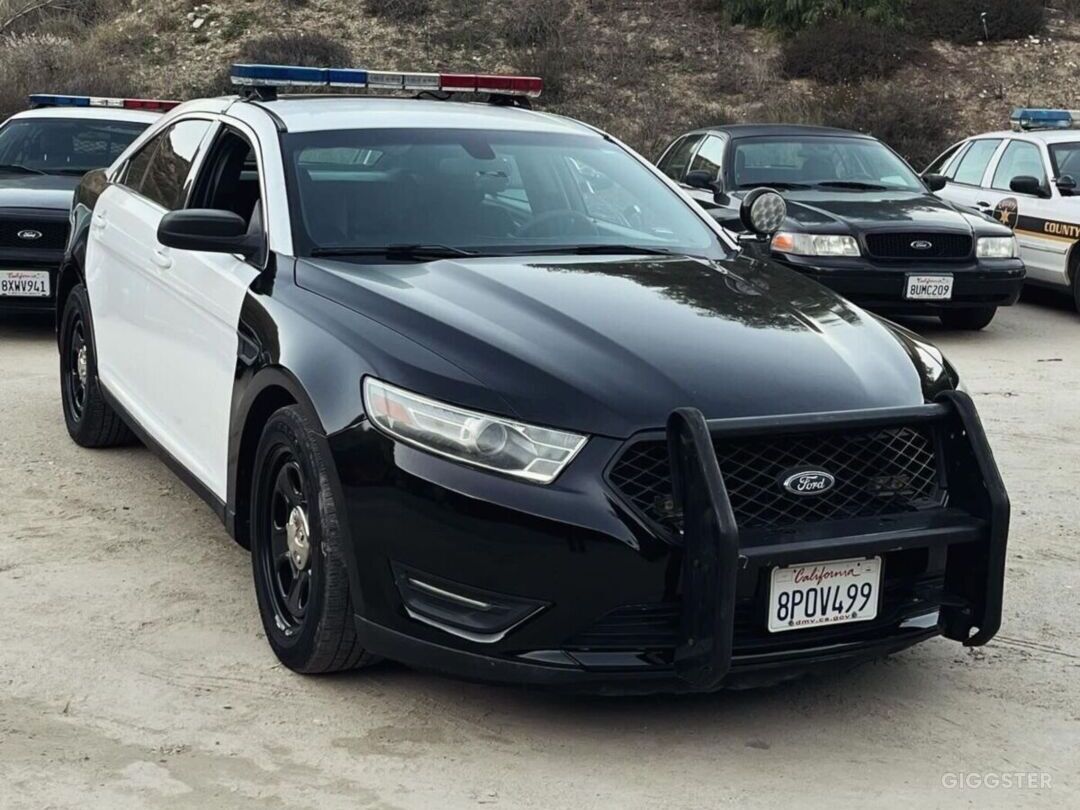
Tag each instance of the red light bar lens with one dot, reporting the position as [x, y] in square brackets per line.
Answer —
[458, 81]
[154, 104]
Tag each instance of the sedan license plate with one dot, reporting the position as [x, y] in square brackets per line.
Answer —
[24, 283]
[815, 594]
[929, 288]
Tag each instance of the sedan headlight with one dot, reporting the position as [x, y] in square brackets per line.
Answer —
[525, 451]
[810, 244]
[996, 247]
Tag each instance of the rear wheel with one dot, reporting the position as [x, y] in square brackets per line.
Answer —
[296, 552]
[973, 318]
[1076, 284]
[91, 422]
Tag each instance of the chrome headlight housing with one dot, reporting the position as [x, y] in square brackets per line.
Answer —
[811, 244]
[532, 453]
[996, 247]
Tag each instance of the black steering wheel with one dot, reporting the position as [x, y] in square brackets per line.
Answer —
[534, 227]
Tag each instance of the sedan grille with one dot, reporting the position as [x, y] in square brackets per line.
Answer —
[881, 471]
[53, 235]
[889, 245]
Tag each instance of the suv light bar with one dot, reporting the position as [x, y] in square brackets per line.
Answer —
[148, 104]
[1033, 118]
[295, 76]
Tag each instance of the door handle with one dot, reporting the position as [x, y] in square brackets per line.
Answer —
[98, 221]
[982, 204]
[162, 258]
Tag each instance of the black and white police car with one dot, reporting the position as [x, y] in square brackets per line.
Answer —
[1026, 179]
[484, 392]
[860, 221]
[43, 154]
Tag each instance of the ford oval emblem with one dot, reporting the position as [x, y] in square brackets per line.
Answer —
[922, 244]
[809, 482]
[29, 234]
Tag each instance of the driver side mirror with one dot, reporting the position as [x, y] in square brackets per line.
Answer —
[1066, 185]
[935, 182]
[1026, 184]
[699, 178]
[209, 230]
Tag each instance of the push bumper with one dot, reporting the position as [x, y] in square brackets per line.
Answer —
[695, 617]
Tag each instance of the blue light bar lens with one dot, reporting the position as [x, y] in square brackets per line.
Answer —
[278, 75]
[49, 100]
[347, 77]
[1028, 118]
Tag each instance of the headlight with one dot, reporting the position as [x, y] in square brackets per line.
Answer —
[534, 453]
[809, 244]
[996, 247]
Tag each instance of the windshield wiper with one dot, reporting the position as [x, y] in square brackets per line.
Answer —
[397, 251]
[852, 184]
[15, 167]
[778, 184]
[601, 250]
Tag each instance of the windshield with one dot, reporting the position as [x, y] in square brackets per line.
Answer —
[488, 192]
[1066, 159]
[62, 145]
[832, 162]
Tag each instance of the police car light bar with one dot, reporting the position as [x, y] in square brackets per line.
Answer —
[148, 104]
[295, 76]
[1033, 118]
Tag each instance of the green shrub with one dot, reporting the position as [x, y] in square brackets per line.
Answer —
[961, 20]
[792, 15]
[534, 23]
[398, 10]
[845, 50]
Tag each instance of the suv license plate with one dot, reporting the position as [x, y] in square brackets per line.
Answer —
[24, 283]
[928, 288]
[815, 594]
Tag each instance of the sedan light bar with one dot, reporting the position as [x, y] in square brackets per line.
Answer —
[1033, 118]
[296, 76]
[149, 104]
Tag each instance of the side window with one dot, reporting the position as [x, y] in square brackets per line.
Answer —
[710, 157]
[972, 165]
[1019, 159]
[160, 170]
[677, 160]
[941, 162]
[229, 178]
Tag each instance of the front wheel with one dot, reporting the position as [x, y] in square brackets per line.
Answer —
[974, 318]
[296, 552]
[1076, 286]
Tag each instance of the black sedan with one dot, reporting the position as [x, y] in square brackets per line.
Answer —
[859, 219]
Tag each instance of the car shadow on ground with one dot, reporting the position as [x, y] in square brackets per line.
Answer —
[26, 327]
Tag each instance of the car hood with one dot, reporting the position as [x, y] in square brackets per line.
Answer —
[611, 346]
[37, 190]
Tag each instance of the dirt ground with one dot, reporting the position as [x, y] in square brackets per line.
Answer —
[133, 672]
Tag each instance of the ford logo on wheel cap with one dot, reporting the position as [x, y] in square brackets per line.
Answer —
[922, 244]
[808, 482]
[29, 234]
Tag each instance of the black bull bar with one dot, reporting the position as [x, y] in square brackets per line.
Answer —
[970, 609]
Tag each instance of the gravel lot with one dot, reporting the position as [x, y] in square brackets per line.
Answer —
[133, 672]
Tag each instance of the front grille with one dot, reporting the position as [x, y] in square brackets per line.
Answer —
[879, 471]
[53, 234]
[888, 245]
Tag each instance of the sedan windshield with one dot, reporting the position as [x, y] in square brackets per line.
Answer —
[1066, 159]
[425, 193]
[62, 145]
[812, 162]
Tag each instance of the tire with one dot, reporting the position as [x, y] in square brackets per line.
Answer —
[974, 318]
[1076, 286]
[297, 550]
[91, 422]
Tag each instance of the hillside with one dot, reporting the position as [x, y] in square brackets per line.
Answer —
[643, 69]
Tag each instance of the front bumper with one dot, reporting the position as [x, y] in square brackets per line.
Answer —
[881, 286]
[620, 608]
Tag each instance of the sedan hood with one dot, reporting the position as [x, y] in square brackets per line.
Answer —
[52, 191]
[611, 346]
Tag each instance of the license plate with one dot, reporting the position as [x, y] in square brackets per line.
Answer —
[928, 288]
[24, 283]
[816, 594]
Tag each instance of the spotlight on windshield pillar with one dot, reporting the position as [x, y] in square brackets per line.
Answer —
[763, 211]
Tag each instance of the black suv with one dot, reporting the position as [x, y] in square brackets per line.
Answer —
[859, 219]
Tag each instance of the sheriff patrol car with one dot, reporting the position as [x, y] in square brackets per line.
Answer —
[484, 392]
[1027, 179]
[43, 154]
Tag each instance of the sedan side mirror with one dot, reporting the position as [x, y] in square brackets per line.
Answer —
[935, 182]
[1026, 184]
[1066, 185]
[706, 181]
[208, 230]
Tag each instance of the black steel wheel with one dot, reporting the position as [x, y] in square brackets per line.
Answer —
[297, 551]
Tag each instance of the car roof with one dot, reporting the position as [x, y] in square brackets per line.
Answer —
[1043, 135]
[331, 112]
[781, 130]
[95, 113]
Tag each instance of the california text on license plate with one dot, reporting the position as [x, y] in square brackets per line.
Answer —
[928, 288]
[24, 283]
[815, 594]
